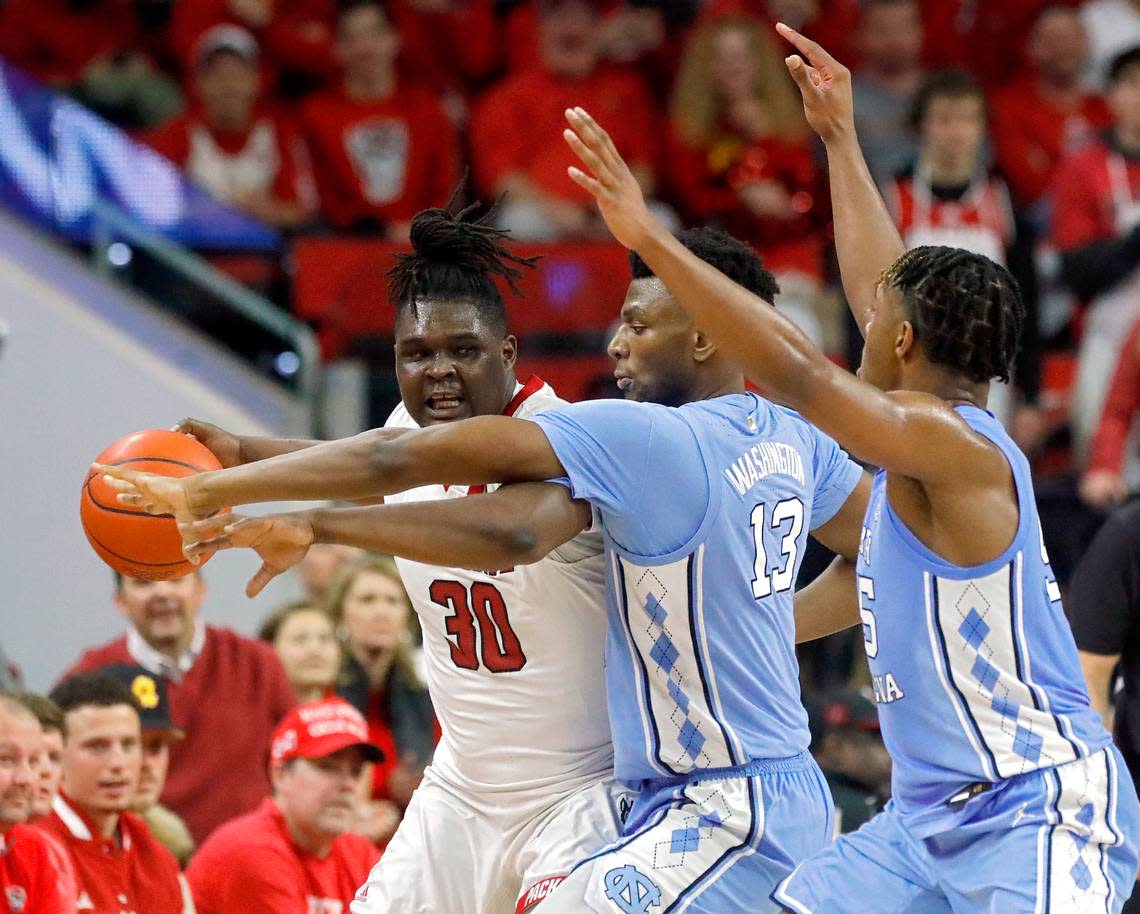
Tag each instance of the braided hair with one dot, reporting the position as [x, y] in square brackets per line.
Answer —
[455, 257]
[735, 259]
[966, 310]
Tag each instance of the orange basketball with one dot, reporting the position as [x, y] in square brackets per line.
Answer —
[135, 543]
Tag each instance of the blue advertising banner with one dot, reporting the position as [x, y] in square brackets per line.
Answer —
[57, 158]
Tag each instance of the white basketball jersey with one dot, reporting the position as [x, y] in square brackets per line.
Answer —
[515, 659]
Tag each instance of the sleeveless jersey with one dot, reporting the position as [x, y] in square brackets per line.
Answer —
[706, 510]
[514, 660]
[974, 669]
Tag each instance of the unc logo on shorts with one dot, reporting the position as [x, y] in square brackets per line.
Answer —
[631, 891]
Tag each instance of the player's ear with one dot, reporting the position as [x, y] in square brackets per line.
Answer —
[510, 350]
[703, 348]
[904, 341]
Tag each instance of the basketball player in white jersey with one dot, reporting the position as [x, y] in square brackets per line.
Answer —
[521, 786]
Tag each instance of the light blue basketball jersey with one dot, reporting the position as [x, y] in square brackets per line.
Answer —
[706, 510]
[974, 669]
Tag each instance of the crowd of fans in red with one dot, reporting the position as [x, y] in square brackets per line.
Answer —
[994, 126]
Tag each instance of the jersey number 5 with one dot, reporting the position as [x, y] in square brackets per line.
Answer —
[782, 577]
[483, 605]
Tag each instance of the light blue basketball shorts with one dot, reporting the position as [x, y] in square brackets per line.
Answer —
[1052, 841]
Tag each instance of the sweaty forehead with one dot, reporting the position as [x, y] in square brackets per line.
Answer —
[649, 300]
[430, 319]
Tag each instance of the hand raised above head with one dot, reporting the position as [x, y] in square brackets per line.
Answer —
[824, 84]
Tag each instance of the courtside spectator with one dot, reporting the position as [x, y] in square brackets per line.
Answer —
[1113, 26]
[1114, 465]
[305, 639]
[227, 691]
[296, 35]
[379, 678]
[739, 156]
[885, 82]
[382, 148]
[31, 881]
[1103, 605]
[51, 755]
[238, 149]
[848, 746]
[118, 863]
[1096, 227]
[90, 48]
[296, 853]
[516, 140]
[951, 197]
[159, 732]
[319, 566]
[1046, 115]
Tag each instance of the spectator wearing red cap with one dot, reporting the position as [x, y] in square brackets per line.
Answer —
[296, 853]
[226, 691]
[1046, 115]
[239, 149]
[739, 156]
[31, 881]
[118, 864]
[517, 145]
[382, 149]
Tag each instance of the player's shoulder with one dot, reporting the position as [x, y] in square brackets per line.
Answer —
[400, 418]
[536, 396]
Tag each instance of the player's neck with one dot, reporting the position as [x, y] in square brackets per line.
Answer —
[716, 385]
[952, 388]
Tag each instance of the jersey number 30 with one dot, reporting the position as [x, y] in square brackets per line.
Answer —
[482, 606]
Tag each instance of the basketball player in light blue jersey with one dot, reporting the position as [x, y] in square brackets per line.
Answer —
[706, 495]
[1007, 794]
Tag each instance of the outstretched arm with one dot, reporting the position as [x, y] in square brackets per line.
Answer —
[515, 525]
[913, 434]
[486, 449]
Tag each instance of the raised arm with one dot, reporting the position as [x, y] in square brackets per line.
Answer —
[914, 434]
[866, 240]
[515, 525]
[486, 449]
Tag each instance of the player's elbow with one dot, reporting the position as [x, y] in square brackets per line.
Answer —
[515, 543]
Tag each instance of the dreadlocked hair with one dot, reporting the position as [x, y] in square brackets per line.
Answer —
[455, 255]
[735, 259]
[966, 310]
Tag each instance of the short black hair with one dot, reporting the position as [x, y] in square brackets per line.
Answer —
[1122, 62]
[966, 310]
[455, 255]
[942, 83]
[733, 257]
[97, 689]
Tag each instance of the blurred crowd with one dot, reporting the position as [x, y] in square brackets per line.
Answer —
[1010, 127]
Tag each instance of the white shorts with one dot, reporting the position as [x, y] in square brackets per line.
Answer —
[457, 854]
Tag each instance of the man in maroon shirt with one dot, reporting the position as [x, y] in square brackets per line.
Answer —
[226, 691]
[295, 853]
[118, 865]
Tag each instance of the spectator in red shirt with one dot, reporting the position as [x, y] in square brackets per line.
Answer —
[240, 151]
[118, 864]
[305, 639]
[382, 149]
[1112, 471]
[516, 140]
[50, 767]
[296, 853]
[1096, 227]
[739, 156]
[31, 881]
[379, 678]
[90, 48]
[226, 691]
[296, 35]
[1046, 115]
[885, 82]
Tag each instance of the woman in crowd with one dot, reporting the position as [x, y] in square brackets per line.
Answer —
[305, 639]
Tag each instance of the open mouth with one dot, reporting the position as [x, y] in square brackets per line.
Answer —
[624, 381]
[444, 404]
